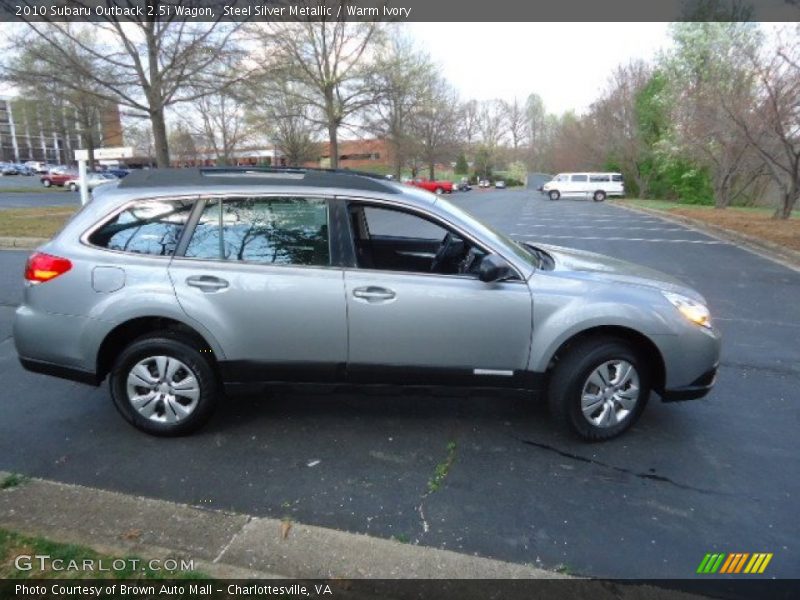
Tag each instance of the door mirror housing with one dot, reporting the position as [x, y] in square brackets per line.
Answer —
[494, 268]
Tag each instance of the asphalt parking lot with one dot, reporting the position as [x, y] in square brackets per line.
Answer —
[713, 475]
[37, 196]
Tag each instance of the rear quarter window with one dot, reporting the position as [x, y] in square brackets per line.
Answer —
[148, 227]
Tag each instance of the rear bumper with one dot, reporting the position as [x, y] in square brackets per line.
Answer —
[71, 373]
[697, 389]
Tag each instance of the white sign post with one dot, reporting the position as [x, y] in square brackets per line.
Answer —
[82, 156]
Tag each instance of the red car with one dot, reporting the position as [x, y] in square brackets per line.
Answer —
[437, 187]
[57, 178]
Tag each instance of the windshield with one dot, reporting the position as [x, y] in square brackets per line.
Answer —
[490, 233]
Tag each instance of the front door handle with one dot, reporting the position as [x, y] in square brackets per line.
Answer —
[207, 283]
[374, 294]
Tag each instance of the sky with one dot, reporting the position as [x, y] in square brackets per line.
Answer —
[567, 64]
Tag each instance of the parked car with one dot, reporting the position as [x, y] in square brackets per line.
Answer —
[597, 186]
[174, 284]
[38, 166]
[484, 183]
[463, 185]
[25, 170]
[57, 177]
[8, 169]
[500, 184]
[433, 185]
[93, 180]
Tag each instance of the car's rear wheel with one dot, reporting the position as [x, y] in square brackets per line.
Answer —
[599, 196]
[438, 191]
[599, 388]
[554, 194]
[163, 386]
[47, 183]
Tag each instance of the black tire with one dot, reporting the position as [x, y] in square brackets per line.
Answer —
[438, 191]
[571, 374]
[554, 194]
[599, 196]
[47, 183]
[73, 187]
[187, 352]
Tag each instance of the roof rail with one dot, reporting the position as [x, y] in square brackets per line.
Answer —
[215, 176]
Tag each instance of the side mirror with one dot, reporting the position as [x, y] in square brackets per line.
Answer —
[493, 268]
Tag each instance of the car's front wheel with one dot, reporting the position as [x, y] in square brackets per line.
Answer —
[599, 388]
[47, 183]
[438, 191]
[162, 385]
[554, 194]
[73, 187]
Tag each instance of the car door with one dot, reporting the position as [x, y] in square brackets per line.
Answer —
[407, 324]
[579, 184]
[257, 273]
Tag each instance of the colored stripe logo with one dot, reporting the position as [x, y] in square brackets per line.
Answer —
[735, 562]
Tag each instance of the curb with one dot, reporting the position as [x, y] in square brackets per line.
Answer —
[20, 243]
[230, 545]
[785, 256]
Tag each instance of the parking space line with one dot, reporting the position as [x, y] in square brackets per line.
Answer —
[622, 239]
[604, 227]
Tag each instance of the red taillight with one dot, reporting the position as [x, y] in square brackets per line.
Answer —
[44, 267]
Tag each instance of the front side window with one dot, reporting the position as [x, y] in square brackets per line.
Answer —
[395, 240]
[147, 227]
[580, 178]
[278, 231]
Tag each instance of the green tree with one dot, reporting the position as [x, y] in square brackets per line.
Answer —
[462, 168]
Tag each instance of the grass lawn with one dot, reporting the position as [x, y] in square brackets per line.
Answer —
[13, 545]
[755, 221]
[39, 222]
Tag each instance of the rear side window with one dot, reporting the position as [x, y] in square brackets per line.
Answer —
[147, 227]
[279, 231]
[617, 178]
[579, 178]
[599, 178]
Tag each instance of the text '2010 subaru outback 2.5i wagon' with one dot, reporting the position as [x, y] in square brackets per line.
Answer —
[180, 285]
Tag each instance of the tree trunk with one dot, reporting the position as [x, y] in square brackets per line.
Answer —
[88, 141]
[333, 136]
[431, 171]
[784, 211]
[160, 137]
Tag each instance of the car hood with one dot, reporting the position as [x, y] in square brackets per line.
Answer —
[591, 265]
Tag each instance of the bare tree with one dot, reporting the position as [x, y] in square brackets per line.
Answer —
[437, 126]
[182, 144]
[278, 110]
[492, 123]
[516, 124]
[616, 115]
[402, 78]
[470, 117]
[145, 63]
[329, 63]
[219, 121]
[535, 116]
[772, 124]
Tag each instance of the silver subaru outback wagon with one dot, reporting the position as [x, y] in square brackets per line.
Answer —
[181, 285]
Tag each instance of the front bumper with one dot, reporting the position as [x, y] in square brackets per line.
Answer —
[697, 389]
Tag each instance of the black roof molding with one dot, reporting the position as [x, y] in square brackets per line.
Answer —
[278, 176]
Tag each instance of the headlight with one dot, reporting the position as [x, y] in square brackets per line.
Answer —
[694, 311]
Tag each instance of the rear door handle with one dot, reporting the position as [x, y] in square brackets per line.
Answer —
[374, 294]
[207, 283]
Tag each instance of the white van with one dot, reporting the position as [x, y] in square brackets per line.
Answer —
[595, 185]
